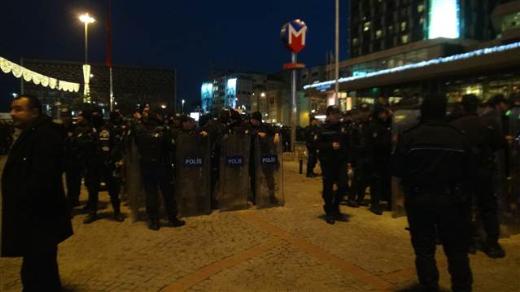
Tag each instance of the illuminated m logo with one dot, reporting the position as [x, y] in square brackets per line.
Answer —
[297, 38]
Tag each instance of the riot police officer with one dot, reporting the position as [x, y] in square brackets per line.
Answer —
[262, 132]
[332, 144]
[432, 160]
[379, 141]
[483, 140]
[359, 156]
[73, 166]
[106, 166]
[311, 134]
[156, 148]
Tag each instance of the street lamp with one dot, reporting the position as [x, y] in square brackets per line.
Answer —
[15, 95]
[182, 105]
[86, 19]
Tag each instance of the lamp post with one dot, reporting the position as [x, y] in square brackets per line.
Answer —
[182, 105]
[86, 19]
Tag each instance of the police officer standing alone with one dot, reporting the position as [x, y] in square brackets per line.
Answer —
[433, 160]
[483, 141]
[332, 144]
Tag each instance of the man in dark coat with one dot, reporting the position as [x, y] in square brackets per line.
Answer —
[434, 163]
[35, 217]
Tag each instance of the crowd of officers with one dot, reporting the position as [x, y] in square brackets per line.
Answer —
[96, 150]
[449, 165]
[361, 142]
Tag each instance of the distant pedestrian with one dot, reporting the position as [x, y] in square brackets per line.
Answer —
[35, 217]
[433, 162]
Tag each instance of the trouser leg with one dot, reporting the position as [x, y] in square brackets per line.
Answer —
[92, 180]
[73, 180]
[423, 236]
[40, 271]
[167, 191]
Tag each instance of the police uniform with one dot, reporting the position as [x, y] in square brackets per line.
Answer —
[483, 140]
[263, 143]
[432, 160]
[311, 134]
[106, 168]
[334, 167]
[379, 143]
[156, 149]
[359, 157]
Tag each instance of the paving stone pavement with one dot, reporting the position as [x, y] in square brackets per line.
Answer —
[279, 249]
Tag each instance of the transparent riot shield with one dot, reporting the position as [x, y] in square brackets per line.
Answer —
[192, 174]
[511, 201]
[234, 182]
[133, 186]
[402, 120]
[268, 167]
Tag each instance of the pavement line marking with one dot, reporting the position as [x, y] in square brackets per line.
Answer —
[318, 253]
[204, 273]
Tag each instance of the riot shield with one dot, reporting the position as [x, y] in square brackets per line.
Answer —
[234, 182]
[402, 120]
[133, 186]
[268, 167]
[192, 174]
[510, 203]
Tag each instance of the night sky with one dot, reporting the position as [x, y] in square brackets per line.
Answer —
[190, 36]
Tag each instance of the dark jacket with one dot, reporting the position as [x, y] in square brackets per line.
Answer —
[482, 139]
[328, 134]
[432, 155]
[35, 213]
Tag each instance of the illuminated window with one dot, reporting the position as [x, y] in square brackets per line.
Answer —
[366, 26]
[444, 19]
[404, 39]
[355, 41]
[403, 26]
[420, 8]
[379, 34]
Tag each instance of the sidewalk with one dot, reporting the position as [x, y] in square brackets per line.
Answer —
[289, 249]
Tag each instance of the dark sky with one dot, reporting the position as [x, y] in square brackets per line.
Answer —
[191, 36]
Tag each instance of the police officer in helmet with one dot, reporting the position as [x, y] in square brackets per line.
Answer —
[332, 144]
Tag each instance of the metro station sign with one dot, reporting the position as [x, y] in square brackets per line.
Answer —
[294, 35]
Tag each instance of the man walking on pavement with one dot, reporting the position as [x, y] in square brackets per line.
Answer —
[35, 217]
[432, 160]
[332, 144]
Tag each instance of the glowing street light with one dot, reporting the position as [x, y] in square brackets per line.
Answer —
[163, 106]
[86, 19]
[15, 95]
[182, 105]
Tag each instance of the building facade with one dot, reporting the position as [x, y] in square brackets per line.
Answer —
[249, 92]
[133, 86]
[476, 50]
[377, 25]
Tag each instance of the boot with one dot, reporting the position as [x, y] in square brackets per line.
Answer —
[174, 222]
[153, 224]
[494, 250]
[117, 213]
[90, 218]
